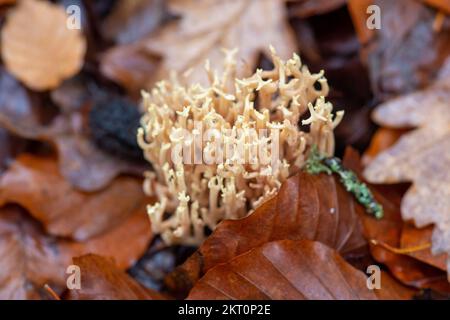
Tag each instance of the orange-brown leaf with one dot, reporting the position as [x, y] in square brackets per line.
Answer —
[29, 258]
[102, 280]
[37, 46]
[283, 270]
[35, 184]
[306, 207]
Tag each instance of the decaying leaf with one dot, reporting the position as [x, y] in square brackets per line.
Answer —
[443, 5]
[388, 231]
[130, 66]
[132, 20]
[408, 52]
[29, 258]
[309, 8]
[102, 280]
[413, 237]
[35, 184]
[300, 210]
[285, 270]
[421, 156]
[206, 26]
[37, 46]
[382, 139]
[80, 161]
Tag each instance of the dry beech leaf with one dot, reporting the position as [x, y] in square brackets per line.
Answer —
[131, 67]
[280, 270]
[35, 184]
[206, 26]
[37, 46]
[300, 210]
[421, 156]
[80, 161]
[388, 230]
[102, 280]
[29, 258]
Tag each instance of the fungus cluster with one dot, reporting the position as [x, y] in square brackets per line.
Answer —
[194, 193]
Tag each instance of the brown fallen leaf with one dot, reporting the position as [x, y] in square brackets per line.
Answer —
[206, 26]
[80, 161]
[36, 184]
[308, 8]
[37, 46]
[407, 52]
[29, 258]
[382, 139]
[388, 231]
[421, 156]
[130, 21]
[413, 237]
[102, 280]
[131, 67]
[358, 13]
[300, 210]
[443, 5]
[281, 270]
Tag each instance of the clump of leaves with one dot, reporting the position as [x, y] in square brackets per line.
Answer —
[421, 156]
[318, 163]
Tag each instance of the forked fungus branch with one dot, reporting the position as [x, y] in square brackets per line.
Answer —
[192, 196]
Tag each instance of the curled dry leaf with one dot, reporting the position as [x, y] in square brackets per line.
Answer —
[36, 184]
[388, 231]
[37, 46]
[286, 270]
[103, 280]
[206, 26]
[421, 156]
[29, 258]
[300, 210]
[80, 161]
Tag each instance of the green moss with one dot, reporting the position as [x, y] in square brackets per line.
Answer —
[318, 163]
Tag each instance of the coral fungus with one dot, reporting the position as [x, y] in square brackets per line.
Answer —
[194, 194]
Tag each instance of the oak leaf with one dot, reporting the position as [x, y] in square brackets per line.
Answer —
[388, 231]
[421, 156]
[37, 46]
[207, 26]
[411, 237]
